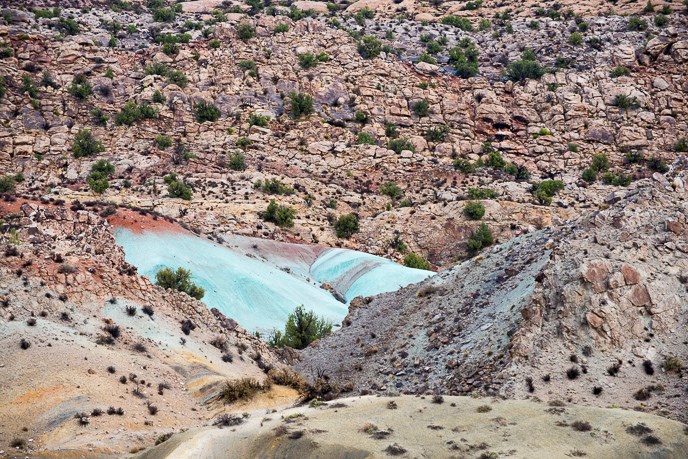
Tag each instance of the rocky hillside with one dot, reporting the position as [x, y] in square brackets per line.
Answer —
[591, 313]
[387, 108]
[94, 357]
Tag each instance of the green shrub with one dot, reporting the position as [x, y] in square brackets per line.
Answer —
[411, 260]
[98, 177]
[458, 22]
[177, 77]
[672, 363]
[302, 328]
[482, 193]
[68, 26]
[428, 59]
[634, 157]
[437, 133]
[360, 117]
[237, 161]
[474, 210]
[421, 107]
[156, 68]
[365, 139]
[282, 216]
[369, 47]
[99, 117]
[600, 162]
[363, 14]
[392, 190]
[163, 142]
[589, 175]
[28, 86]
[523, 70]
[545, 190]
[301, 104]
[206, 112]
[484, 24]
[258, 120]
[85, 144]
[158, 98]
[465, 59]
[399, 145]
[661, 20]
[658, 165]
[275, 186]
[214, 43]
[281, 28]
[177, 188]
[637, 24]
[649, 7]
[132, 112]
[625, 102]
[681, 145]
[480, 238]
[164, 15]
[610, 178]
[179, 280]
[346, 226]
[572, 147]
[495, 160]
[7, 184]
[576, 39]
[245, 31]
[307, 60]
[464, 165]
[391, 130]
[47, 13]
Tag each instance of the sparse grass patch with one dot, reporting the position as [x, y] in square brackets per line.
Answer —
[484, 409]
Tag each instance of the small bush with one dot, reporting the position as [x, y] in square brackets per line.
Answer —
[302, 328]
[412, 260]
[581, 426]
[163, 142]
[524, 69]
[85, 144]
[24, 344]
[369, 47]
[421, 107]
[484, 409]
[636, 24]
[179, 280]
[672, 363]
[576, 39]
[392, 190]
[301, 104]
[572, 373]
[240, 389]
[681, 145]
[625, 103]
[658, 165]
[282, 216]
[399, 145]
[545, 190]
[132, 113]
[437, 133]
[619, 72]
[458, 22]
[281, 28]
[177, 188]
[237, 161]
[245, 31]
[80, 87]
[205, 111]
[480, 238]
[346, 226]
[474, 210]
[365, 138]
